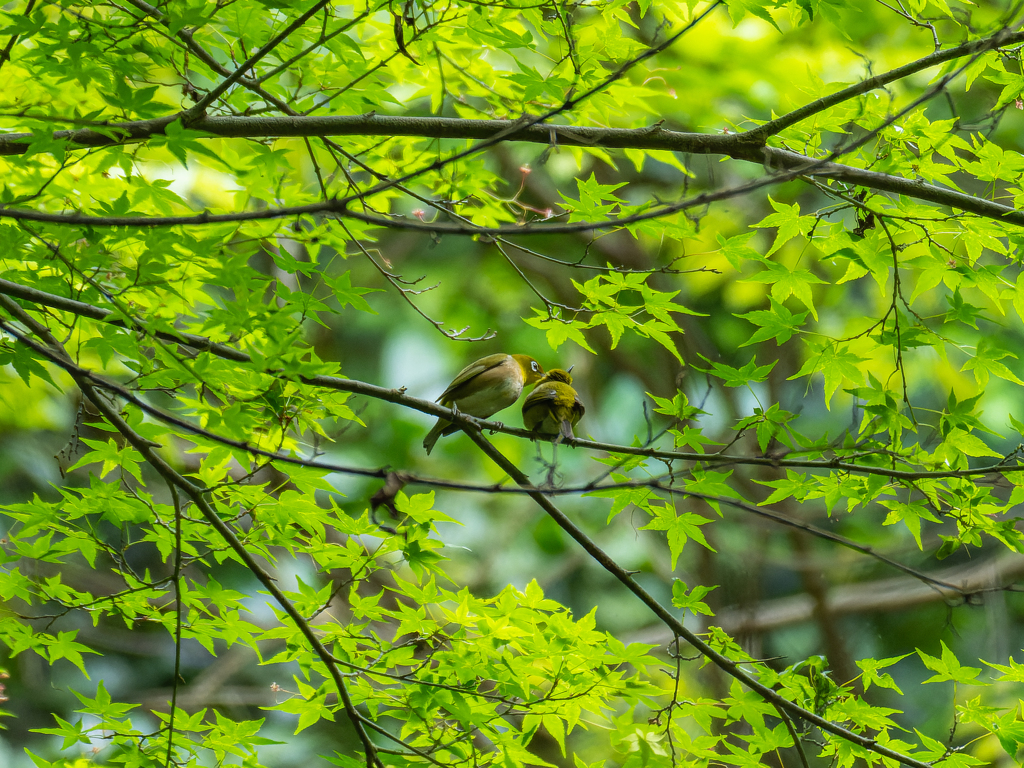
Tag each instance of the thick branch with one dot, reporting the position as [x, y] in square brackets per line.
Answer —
[788, 165]
[746, 146]
[372, 124]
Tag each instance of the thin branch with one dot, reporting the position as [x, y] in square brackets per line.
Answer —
[821, 533]
[779, 124]
[57, 354]
[407, 294]
[322, 40]
[186, 36]
[5, 55]
[723, 662]
[470, 425]
[177, 620]
[784, 716]
[398, 397]
[200, 107]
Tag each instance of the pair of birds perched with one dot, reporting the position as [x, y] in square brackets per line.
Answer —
[495, 382]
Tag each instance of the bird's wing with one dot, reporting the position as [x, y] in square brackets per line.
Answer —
[578, 406]
[541, 403]
[469, 373]
[540, 395]
[537, 405]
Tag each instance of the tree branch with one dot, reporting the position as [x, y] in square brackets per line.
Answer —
[200, 107]
[398, 397]
[197, 494]
[746, 146]
[527, 120]
[470, 425]
[789, 165]
[779, 124]
[721, 661]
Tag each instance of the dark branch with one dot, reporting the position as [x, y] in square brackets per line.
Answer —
[56, 353]
[723, 662]
[406, 478]
[789, 165]
[200, 107]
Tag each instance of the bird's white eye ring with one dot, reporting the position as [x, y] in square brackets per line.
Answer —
[534, 365]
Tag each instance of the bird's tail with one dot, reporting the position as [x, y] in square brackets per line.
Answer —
[433, 435]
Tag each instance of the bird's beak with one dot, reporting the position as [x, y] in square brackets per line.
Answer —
[569, 369]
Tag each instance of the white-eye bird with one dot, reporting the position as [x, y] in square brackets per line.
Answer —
[553, 408]
[483, 388]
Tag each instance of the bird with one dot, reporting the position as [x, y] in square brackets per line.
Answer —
[483, 388]
[553, 407]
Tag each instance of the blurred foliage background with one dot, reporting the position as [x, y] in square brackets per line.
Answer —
[784, 595]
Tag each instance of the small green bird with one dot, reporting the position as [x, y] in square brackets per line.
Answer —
[485, 387]
[553, 408]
